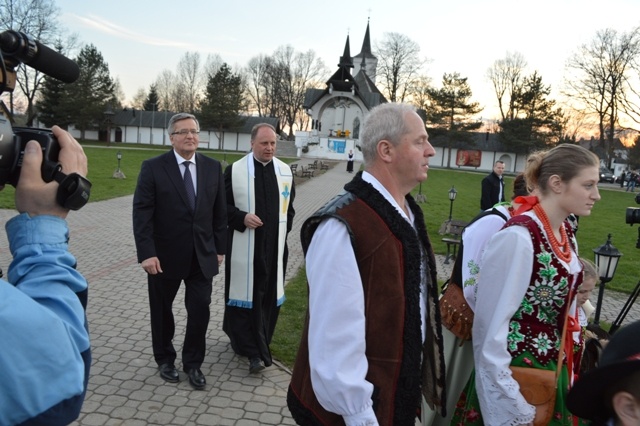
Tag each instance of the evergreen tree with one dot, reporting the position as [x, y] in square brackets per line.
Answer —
[224, 100]
[152, 101]
[50, 106]
[89, 96]
[537, 122]
[451, 111]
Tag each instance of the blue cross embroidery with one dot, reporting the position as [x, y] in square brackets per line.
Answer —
[286, 192]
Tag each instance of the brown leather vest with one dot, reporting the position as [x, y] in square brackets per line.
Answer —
[388, 253]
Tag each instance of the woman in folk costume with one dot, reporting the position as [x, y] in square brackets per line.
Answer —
[459, 352]
[530, 273]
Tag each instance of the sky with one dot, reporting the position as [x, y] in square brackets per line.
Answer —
[139, 39]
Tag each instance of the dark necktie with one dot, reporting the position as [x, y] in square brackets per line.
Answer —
[188, 184]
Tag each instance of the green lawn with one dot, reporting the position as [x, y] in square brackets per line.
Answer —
[607, 217]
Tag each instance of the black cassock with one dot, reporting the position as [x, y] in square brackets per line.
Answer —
[251, 330]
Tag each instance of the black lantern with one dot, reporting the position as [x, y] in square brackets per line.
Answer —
[118, 173]
[452, 197]
[606, 259]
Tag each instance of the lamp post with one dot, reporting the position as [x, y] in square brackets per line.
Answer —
[118, 173]
[452, 197]
[153, 111]
[606, 259]
[108, 119]
[421, 198]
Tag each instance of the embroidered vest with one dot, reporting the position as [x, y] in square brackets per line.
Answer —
[536, 327]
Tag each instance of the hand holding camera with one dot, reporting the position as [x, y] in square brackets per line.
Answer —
[16, 146]
[36, 196]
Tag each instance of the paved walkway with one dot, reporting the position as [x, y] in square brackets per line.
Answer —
[124, 388]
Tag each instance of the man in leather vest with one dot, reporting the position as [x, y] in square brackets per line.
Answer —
[372, 343]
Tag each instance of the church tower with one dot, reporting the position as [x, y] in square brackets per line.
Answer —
[365, 61]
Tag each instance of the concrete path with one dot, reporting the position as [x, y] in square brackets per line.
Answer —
[124, 387]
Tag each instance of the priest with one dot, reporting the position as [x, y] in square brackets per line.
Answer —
[260, 196]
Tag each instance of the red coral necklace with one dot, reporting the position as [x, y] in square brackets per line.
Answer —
[562, 248]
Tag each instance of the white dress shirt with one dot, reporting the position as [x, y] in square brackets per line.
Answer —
[337, 322]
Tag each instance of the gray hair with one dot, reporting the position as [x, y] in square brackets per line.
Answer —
[384, 122]
[179, 117]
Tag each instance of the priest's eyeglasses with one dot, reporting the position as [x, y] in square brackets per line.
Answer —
[185, 132]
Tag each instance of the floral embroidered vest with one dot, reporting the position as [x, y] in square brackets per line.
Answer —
[536, 327]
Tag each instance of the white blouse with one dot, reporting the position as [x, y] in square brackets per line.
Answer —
[507, 265]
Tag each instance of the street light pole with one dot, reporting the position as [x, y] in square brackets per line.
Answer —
[606, 260]
[153, 110]
[118, 173]
[452, 197]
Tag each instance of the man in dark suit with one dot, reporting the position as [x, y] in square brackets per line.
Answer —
[493, 187]
[180, 225]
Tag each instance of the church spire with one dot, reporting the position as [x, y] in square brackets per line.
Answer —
[366, 44]
[345, 59]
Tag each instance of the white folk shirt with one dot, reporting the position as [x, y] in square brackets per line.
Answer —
[337, 322]
[504, 279]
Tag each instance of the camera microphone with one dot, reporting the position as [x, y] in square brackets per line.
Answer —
[38, 56]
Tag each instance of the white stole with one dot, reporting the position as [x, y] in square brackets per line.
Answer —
[243, 248]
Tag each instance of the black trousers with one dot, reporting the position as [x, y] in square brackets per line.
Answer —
[162, 293]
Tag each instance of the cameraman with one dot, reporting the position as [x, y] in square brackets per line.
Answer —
[44, 363]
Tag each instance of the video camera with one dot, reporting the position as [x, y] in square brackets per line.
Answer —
[17, 48]
[633, 213]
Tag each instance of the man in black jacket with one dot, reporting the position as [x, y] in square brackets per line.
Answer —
[180, 229]
[493, 187]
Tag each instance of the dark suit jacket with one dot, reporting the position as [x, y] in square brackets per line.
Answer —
[164, 225]
[491, 191]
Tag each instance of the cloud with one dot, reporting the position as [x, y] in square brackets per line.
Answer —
[107, 27]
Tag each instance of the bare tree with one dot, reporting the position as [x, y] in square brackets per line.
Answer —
[190, 81]
[399, 65]
[165, 84]
[420, 92]
[139, 98]
[38, 19]
[601, 82]
[291, 74]
[212, 65]
[257, 72]
[506, 76]
[180, 99]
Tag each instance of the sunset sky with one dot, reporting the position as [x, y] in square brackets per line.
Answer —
[139, 39]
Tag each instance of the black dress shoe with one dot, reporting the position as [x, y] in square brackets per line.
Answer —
[196, 378]
[256, 365]
[168, 372]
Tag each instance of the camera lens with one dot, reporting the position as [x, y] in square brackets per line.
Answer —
[633, 215]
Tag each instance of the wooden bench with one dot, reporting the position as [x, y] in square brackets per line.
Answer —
[313, 166]
[294, 168]
[452, 231]
[324, 166]
[308, 172]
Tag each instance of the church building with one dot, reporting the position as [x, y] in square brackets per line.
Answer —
[337, 111]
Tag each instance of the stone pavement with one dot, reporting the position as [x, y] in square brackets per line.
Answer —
[124, 387]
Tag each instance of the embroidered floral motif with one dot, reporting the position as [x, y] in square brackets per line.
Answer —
[543, 343]
[474, 269]
[514, 337]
